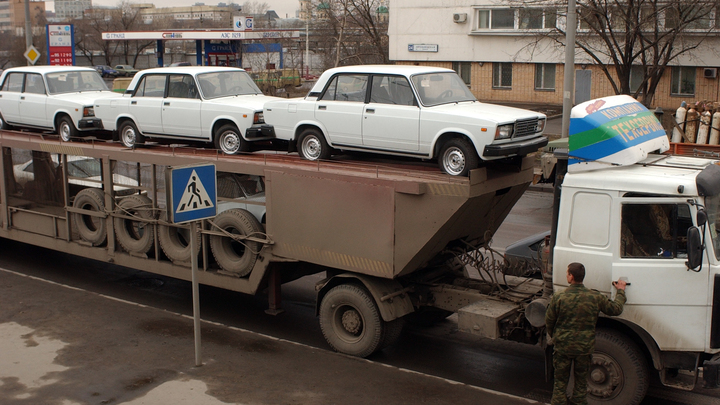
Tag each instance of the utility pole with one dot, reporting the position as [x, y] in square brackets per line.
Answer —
[569, 76]
[28, 27]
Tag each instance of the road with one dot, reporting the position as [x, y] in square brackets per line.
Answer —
[438, 351]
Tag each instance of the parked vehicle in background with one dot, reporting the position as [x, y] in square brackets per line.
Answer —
[125, 70]
[58, 98]
[523, 257]
[176, 64]
[416, 111]
[201, 103]
[106, 71]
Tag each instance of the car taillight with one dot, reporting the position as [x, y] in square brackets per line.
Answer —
[259, 118]
[88, 112]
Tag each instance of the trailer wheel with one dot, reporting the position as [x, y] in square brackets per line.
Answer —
[458, 157]
[135, 236]
[230, 255]
[129, 134]
[175, 242]
[618, 371]
[350, 321]
[229, 140]
[312, 145]
[91, 229]
[66, 129]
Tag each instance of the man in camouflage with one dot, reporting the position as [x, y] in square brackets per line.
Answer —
[570, 320]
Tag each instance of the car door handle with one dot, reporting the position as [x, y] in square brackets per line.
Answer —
[133, 102]
[370, 110]
[322, 107]
[166, 103]
[22, 98]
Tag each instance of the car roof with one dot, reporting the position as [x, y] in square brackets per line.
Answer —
[48, 69]
[394, 69]
[193, 70]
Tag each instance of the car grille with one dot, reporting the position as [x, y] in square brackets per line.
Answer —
[525, 127]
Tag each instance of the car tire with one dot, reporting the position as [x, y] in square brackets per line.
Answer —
[229, 141]
[175, 242]
[66, 129]
[232, 256]
[129, 135]
[92, 229]
[4, 125]
[311, 145]
[458, 157]
[350, 320]
[135, 236]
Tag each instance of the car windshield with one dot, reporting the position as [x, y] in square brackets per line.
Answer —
[74, 81]
[227, 83]
[441, 88]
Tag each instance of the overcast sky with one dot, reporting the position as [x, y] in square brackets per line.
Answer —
[282, 7]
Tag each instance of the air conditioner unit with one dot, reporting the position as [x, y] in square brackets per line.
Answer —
[710, 73]
[460, 18]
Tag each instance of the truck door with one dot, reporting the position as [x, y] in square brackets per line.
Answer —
[182, 107]
[392, 118]
[146, 103]
[340, 109]
[664, 297]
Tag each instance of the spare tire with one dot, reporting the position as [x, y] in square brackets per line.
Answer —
[135, 236]
[92, 229]
[230, 255]
[175, 242]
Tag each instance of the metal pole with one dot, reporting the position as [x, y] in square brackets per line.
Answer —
[307, 45]
[569, 76]
[28, 27]
[195, 293]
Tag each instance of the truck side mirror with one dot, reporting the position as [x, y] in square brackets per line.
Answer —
[694, 248]
[701, 217]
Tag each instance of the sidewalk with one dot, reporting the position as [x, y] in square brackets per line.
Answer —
[61, 345]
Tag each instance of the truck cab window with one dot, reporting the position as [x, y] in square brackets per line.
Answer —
[654, 230]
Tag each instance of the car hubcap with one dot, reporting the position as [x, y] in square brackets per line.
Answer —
[230, 143]
[311, 148]
[64, 131]
[454, 161]
[128, 137]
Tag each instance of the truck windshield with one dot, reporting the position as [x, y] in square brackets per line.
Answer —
[227, 83]
[72, 82]
[441, 88]
[712, 207]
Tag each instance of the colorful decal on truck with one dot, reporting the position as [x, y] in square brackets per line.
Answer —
[615, 130]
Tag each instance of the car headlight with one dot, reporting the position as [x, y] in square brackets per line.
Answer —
[259, 118]
[88, 112]
[540, 125]
[504, 131]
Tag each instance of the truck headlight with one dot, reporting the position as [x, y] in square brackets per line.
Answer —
[540, 125]
[504, 131]
[259, 118]
[88, 112]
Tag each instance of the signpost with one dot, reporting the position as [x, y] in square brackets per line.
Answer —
[32, 54]
[61, 44]
[192, 197]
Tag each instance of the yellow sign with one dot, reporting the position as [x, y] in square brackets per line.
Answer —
[32, 54]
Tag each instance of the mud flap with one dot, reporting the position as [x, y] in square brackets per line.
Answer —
[711, 373]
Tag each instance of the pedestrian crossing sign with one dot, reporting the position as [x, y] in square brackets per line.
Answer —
[192, 193]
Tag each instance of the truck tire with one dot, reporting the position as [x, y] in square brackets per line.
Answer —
[391, 332]
[233, 256]
[350, 321]
[91, 229]
[229, 140]
[458, 157]
[618, 372]
[66, 129]
[311, 145]
[135, 236]
[175, 242]
[129, 134]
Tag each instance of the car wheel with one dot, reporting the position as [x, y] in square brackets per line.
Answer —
[3, 124]
[312, 145]
[458, 157]
[236, 256]
[135, 236]
[66, 129]
[129, 135]
[229, 141]
[92, 229]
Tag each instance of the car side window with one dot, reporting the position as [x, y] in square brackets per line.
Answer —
[13, 82]
[654, 230]
[151, 86]
[182, 86]
[391, 90]
[34, 84]
[346, 88]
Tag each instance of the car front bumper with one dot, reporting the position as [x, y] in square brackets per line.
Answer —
[258, 132]
[515, 148]
[90, 123]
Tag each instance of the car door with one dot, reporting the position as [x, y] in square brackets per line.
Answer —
[181, 108]
[33, 100]
[146, 103]
[340, 108]
[10, 97]
[391, 120]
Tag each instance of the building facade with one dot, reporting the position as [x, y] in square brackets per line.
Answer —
[506, 53]
[12, 15]
[71, 9]
[149, 12]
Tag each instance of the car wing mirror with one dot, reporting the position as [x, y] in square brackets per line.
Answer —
[694, 249]
[701, 217]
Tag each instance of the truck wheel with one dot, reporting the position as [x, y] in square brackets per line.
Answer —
[350, 321]
[311, 145]
[234, 256]
[229, 140]
[66, 129]
[458, 157]
[618, 371]
[391, 332]
[135, 236]
[91, 229]
[129, 135]
[175, 242]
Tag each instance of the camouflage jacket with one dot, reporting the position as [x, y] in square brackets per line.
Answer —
[572, 314]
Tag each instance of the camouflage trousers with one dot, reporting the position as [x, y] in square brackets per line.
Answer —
[563, 364]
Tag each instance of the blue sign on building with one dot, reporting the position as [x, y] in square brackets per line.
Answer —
[193, 193]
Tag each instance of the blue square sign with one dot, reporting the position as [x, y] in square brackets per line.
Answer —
[193, 193]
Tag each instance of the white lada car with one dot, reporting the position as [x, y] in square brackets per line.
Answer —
[56, 98]
[221, 105]
[423, 112]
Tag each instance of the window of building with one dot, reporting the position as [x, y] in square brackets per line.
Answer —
[502, 75]
[683, 80]
[496, 19]
[654, 230]
[537, 18]
[545, 76]
[637, 76]
[463, 69]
